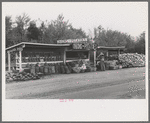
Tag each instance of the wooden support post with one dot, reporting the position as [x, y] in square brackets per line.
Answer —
[17, 60]
[118, 52]
[9, 67]
[89, 55]
[64, 56]
[20, 60]
[16, 57]
[107, 55]
[94, 57]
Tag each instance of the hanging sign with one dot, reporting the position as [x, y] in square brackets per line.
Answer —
[69, 41]
[86, 46]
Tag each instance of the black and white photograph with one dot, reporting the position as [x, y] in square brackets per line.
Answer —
[86, 55]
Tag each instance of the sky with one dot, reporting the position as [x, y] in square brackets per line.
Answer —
[127, 17]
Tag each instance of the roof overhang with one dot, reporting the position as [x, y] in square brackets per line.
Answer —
[111, 48]
[28, 44]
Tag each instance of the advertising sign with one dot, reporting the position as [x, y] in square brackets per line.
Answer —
[70, 41]
[85, 46]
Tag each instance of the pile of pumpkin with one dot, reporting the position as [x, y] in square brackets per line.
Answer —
[132, 60]
[21, 76]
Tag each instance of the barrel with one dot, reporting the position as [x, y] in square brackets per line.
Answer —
[56, 68]
[69, 67]
[41, 69]
[37, 69]
[32, 69]
[49, 69]
[46, 67]
[53, 69]
[62, 68]
[59, 68]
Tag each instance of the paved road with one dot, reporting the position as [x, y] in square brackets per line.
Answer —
[111, 84]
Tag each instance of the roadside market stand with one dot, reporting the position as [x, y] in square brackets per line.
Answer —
[67, 56]
[111, 54]
[24, 53]
[116, 55]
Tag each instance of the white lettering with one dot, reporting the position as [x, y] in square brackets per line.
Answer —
[72, 40]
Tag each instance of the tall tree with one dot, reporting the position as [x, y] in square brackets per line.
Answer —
[33, 32]
[8, 30]
[60, 29]
[22, 22]
[109, 37]
[140, 44]
[42, 30]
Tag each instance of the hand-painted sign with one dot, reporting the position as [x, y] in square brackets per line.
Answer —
[86, 46]
[69, 41]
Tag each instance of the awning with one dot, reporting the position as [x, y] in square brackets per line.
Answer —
[29, 44]
[111, 48]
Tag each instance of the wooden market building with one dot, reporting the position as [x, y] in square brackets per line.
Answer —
[107, 51]
[24, 53]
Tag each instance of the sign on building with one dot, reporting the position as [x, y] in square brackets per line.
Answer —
[85, 46]
[70, 41]
[79, 44]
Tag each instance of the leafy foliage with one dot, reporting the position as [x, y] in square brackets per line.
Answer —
[8, 30]
[140, 44]
[112, 38]
[33, 32]
[59, 29]
[22, 22]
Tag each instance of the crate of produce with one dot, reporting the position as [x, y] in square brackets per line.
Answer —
[93, 68]
[120, 66]
[107, 64]
[76, 69]
[113, 67]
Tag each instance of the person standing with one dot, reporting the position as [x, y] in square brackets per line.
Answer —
[98, 62]
[102, 64]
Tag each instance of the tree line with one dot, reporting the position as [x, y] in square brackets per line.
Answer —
[23, 29]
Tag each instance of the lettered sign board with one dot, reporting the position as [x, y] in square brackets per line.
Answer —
[70, 41]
